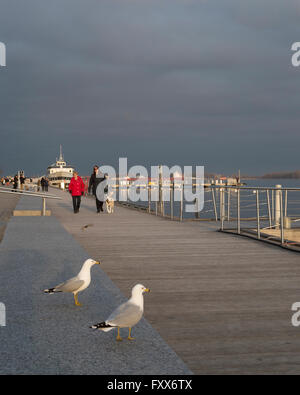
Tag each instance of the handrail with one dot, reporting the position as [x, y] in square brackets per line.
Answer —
[26, 193]
[253, 188]
[277, 212]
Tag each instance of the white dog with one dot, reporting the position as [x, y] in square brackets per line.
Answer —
[110, 204]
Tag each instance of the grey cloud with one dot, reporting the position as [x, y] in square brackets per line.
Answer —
[131, 76]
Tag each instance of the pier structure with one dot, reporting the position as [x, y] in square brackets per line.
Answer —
[220, 304]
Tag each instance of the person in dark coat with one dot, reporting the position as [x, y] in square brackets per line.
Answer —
[96, 178]
[46, 184]
[43, 184]
[16, 179]
[22, 181]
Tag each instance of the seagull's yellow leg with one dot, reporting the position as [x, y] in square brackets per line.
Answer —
[129, 335]
[76, 300]
[119, 337]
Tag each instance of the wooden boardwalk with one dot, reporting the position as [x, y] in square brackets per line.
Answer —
[222, 302]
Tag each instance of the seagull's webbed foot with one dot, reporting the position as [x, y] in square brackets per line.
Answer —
[129, 335]
[118, 336]
[76, 301]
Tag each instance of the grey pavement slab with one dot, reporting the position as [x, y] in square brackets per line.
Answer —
[48, 334]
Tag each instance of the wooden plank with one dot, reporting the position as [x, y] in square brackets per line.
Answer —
[222, 302]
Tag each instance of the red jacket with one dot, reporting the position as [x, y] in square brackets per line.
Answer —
[76, 187]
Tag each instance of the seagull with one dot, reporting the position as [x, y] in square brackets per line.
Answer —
[86, 226]
[127, 315]
[78, 283]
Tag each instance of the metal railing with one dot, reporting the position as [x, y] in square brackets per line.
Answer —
[33, 194]
[166, 205]
[276, 212]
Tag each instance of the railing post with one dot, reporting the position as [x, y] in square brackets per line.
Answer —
[181, 203]
[172, 200]
[269, 208]
[149, 198]
[258, 214]
[44, 207]
[286, 203]
[214, 203]
[228, 204]
[239, 211]
[278, 212]
[160, 190]
[273, 206]
[281, 218]
[222, 208]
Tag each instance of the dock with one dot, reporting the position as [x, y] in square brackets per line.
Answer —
[221, 302]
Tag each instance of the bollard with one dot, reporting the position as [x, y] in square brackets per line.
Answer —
[287, 223]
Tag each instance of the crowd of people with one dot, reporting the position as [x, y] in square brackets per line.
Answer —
[19, 181]
[76, 187]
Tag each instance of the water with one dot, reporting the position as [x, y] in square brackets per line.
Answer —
[248, 201]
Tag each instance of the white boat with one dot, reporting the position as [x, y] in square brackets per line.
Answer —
[59, 173]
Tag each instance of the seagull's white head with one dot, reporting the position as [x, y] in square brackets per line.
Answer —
[139, 289]
[91, 262]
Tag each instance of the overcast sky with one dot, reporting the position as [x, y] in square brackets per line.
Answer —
[187, 82]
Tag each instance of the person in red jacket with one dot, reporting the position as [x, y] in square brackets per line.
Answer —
[76, 188]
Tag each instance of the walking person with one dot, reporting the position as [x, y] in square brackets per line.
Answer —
[76, 188]
[22, 181]
[46, 184]
[43, 184]
[96, 178]
[16, 181]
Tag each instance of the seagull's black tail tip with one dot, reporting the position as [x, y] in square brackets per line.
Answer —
[49, 291]
[100, 326]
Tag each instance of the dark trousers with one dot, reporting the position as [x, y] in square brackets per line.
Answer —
[76, 203]
[99, 205]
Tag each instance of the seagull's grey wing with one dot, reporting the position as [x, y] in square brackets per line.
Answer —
[70, 286]
[126, 315]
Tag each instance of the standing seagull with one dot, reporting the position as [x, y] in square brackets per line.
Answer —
[78, 283]
[127, 315]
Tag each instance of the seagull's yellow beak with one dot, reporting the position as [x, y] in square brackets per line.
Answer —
[147, 290]
[98, 263]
